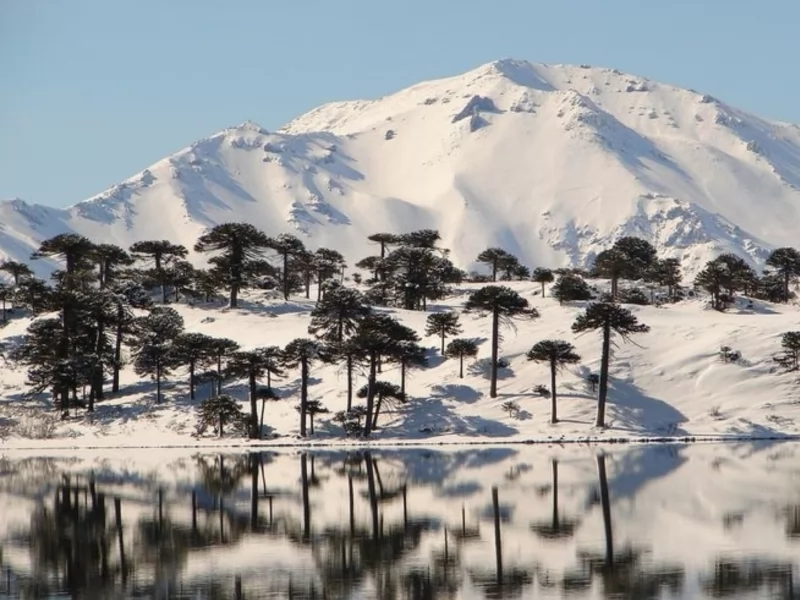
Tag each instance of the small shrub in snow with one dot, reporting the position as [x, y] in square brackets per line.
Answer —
[351, 421]
[502, 363]
[729, 355]
[593, 379]
[221, 412]
[633, 296]
[389, 134]
[40, 427]
[714, 412]
[541, 391]
[511, 407]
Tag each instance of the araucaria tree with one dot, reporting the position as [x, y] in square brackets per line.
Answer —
[461, 348]
[786, 262]
[790, 358]
[557, 354]
[608, 318]
[192, 350]
[239, 245]
[159, 253]
[570, 288]
[443, 325]
[496, 259]
[154, 344]
[503, 304]
[543, 276]
[287, 246]
[251, 364]
[303, 352]
[630, 258]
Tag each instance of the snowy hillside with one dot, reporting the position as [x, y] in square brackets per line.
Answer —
[552, 163]
[668, 383]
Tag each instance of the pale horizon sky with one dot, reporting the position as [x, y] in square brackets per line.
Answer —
[95, 91]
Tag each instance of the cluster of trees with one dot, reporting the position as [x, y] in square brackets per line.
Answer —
[108, 305]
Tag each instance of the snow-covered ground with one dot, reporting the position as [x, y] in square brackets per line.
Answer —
[668, 383]
[682, 508]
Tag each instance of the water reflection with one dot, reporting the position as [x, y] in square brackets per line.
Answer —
[530, 522]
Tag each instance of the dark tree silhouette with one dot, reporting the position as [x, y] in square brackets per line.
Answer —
[109, 259]
[786, 262]
[461, 348]
[608, 318]
[385, 240]
[154, 344]
[495, 258]
[193, 349]
[221, 348]
[252, 364]
[570, 288]
[543, 276]
[503, 304]
[387, 394]
[17, 270]
[443, 324]
[239, 244]
[160, 253]
[286, 246]
[303, 352]
[557, 354]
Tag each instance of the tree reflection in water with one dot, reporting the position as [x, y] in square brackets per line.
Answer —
[337, 525]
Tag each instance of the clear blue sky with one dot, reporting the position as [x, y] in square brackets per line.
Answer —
[95, 90]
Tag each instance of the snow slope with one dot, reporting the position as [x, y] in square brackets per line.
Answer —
[669, 383]
[551, 162]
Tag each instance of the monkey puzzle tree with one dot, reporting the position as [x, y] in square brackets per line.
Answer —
[303, 352]
[461, 348]
[786, 262]
[286, 246]
[608, 318]
[503, 304]
[495, 258]
[159, 253]
[443, 324]
[239, 244]
[154, 344]
[17, 270]
[252, 364]
[192, 349]
[385, 393]
[109, 258]
[557, 354]
[542, 276]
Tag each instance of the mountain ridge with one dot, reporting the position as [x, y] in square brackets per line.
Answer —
[551, 162]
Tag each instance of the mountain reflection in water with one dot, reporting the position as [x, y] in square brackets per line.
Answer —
[704, 521]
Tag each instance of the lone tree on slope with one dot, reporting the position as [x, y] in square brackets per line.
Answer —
[786, 261]
[239, 245]
[496, 258]
[557, 354]
[303, 352]
[503, 304]
[443, 324]
[287, 246]
[608, 318]
[461, 348]
[543, 276]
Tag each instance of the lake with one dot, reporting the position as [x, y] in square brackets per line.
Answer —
[625, 522]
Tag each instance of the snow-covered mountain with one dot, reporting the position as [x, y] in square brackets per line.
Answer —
[551, 162]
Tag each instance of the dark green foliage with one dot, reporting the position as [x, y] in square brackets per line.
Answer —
[327, 264]
[496, 259]
[543, 276]
[338, 313]
[111, 260]
[790, 356]
[193, 350]
[303, 352]
[633, 296]
[17, 270]
[570, 288]
[444, 325]
[5, 296]
[557, 354]
[159, 253]
[386, 394]
[723, 277]
[772, 288]
[385, 240]
[351, 420]
[222, 348]
[461, 348]
[313, 408]
[503, 304]
[154, 344]
[786, 262]
[608, 318]
[729, 355]
[287, 246]
[237, 245]
[422, 238]
[221, 411]
[33, 294]
[629, 258]
[666, 272]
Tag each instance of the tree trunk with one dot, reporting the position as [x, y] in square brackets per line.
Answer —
[303, 396]
[234, 296]
[349, 383]
[443, 336]
[603, 393]
[4, 311]
[373, 497]
[308, 287]
[614, 281]
[498, 544]
[543, 289]
[286, 276]
[606, 506]
[219, 374]
[403, 376]
[261, 423]
[377, 411]
[495, 344]
[461, 366]
[494, 271]
[553, 402]
[117, 349]
[158, 381]
[253, 407]
[191, 379]
[306, 502]
[373, 360]
[786, 278]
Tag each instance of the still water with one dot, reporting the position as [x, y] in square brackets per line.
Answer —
[647, 522]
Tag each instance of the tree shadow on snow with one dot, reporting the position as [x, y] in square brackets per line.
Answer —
[482, 368]
[456, 391]
[433, 417]
[632, 410]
